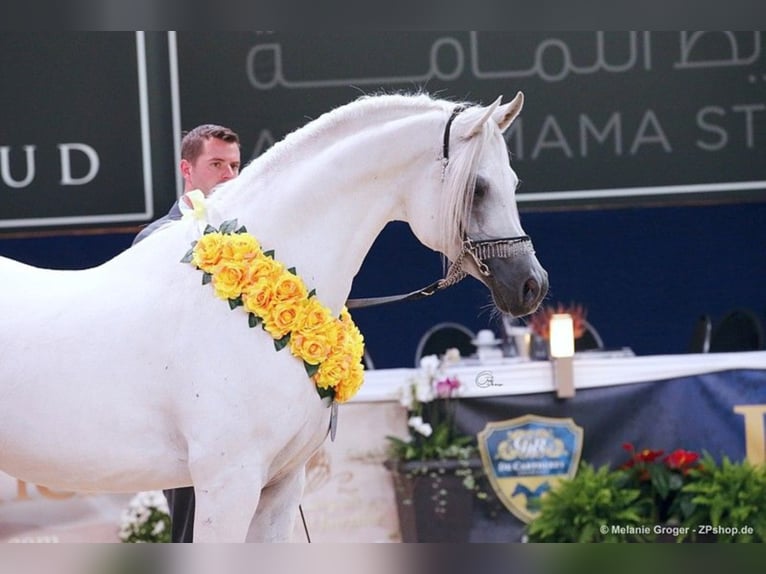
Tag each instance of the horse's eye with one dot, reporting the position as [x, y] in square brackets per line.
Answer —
[480, 189]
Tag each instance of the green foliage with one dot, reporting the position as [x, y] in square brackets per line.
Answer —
[146, 519]
[585, 508]
[730, 498]
[652, 496]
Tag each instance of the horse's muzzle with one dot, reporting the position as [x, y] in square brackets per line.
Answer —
[518, 285]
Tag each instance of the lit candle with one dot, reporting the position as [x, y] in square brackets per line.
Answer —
[562, 335]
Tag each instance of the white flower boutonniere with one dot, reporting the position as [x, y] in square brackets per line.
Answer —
[193, 205]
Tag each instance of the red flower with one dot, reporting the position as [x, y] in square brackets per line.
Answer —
[644, 455]
[681, 459]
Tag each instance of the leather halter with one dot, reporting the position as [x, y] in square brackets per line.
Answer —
[479, 251]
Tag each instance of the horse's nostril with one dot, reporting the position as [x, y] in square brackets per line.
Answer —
[531, 290]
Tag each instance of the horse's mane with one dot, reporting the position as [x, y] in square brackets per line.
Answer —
[459, 177]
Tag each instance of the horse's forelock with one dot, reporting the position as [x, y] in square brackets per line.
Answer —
[460, 180]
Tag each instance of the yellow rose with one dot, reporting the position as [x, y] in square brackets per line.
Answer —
[289, 287]
[257, 297]
[265, 268]
[315, 315]
[282, 317]
[229, 278]
[208, 251]
[332, 371]
[349, 386]
[240, 247]
[313, 347]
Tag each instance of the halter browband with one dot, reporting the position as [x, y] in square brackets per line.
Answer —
[447, 128]
[479, 251]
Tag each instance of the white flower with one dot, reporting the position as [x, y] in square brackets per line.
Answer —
[419, 426]
[406, 396]
[146, 510]
[430, 365]
[424, 389]
[452, 356]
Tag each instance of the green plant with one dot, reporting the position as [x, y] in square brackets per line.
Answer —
[729, 500]
[585, 509]
[653, 496]
[146, 519]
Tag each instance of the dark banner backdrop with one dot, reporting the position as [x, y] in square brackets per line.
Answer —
[640, 155]
[612, 118]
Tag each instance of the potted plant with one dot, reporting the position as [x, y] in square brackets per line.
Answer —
[146, 519]
[728, 500]
[654, 497]
[577, 510]
[436, 469]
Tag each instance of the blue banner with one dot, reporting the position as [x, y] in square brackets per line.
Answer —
[720, 413]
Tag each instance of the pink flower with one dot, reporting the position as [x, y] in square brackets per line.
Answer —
[446, 387]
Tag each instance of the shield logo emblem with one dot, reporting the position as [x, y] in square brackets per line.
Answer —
[526, 456]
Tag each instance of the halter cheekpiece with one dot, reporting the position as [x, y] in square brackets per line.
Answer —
[478, 250]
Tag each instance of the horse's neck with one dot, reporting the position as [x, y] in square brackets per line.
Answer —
[324, 204]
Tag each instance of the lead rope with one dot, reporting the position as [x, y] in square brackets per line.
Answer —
[305, 526]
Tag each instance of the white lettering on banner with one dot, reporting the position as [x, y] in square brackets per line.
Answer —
[5, 167]
[265, 141]
[65, 157]
[552, 137]
[749, 114]
[755, 431]
[554, 59]
[66, 170]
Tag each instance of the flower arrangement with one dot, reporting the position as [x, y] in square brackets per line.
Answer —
[653, 495]
[146, 519]
[540, 321]
[432, 432]
[431, 399]
[660, 479]
[276, 298]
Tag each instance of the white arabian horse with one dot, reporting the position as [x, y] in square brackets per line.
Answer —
[132, 376]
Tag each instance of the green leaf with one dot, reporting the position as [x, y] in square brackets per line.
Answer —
[293, 271]
[228, 226]
[311, 370]
[280, 344]
[189, 255]
[234, 303]
[312, 293]
[253, 320]
[206, 278]
[242, 229]
[209, 229]
[269, 253]
[328, 392]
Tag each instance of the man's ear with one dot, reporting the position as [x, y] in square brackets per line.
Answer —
[185, 167]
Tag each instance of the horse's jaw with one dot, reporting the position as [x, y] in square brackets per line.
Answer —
[518, 284]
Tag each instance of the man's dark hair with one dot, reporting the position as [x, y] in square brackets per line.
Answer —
[194, 140]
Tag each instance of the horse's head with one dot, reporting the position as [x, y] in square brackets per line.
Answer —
[480, 229]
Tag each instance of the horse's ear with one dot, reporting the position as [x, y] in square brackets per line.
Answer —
[487, 114]
[505, 115]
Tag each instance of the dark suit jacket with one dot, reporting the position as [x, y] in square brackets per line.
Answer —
[172, 215]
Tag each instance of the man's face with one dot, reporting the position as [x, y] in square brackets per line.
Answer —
[218, 162]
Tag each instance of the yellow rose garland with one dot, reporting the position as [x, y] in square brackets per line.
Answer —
[276, 298]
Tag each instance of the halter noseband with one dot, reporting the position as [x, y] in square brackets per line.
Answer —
[479, 251]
